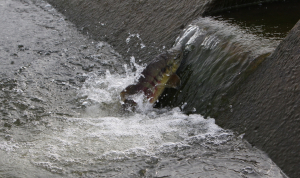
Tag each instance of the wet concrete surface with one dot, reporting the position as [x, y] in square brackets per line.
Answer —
[266, 106]
[43, 62]
[158, 23]
[153, 24]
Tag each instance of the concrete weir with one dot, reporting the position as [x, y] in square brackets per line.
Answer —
[265, 106]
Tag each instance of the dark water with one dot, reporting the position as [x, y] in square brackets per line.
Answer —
[268, 20]
[61, 112]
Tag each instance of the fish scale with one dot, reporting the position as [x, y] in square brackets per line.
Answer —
[158, 75]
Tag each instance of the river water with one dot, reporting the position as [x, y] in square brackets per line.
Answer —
[61, 114]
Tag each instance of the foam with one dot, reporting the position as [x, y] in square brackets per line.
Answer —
[139, 133]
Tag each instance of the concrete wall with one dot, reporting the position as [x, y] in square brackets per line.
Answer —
[157, 22]
[266, 107]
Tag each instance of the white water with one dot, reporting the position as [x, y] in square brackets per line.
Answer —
[105, 133]
[104, 141]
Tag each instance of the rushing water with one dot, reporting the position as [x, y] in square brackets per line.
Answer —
[85, 133]
[220, 56]
[104, 141]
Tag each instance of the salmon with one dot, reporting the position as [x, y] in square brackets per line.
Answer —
[158, 75]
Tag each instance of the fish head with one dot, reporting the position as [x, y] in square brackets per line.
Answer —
[129, 91]
[128, 102]
[154, 77]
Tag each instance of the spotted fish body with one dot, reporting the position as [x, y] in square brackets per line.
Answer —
[158, 75]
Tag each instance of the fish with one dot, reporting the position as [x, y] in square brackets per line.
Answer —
[159, 74]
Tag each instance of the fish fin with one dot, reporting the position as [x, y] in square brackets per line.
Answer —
[173, 82]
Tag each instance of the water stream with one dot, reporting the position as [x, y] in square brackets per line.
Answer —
[220, 56]
[61, 113]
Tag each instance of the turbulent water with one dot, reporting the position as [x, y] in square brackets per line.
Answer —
[61, 114]
[220, 56]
